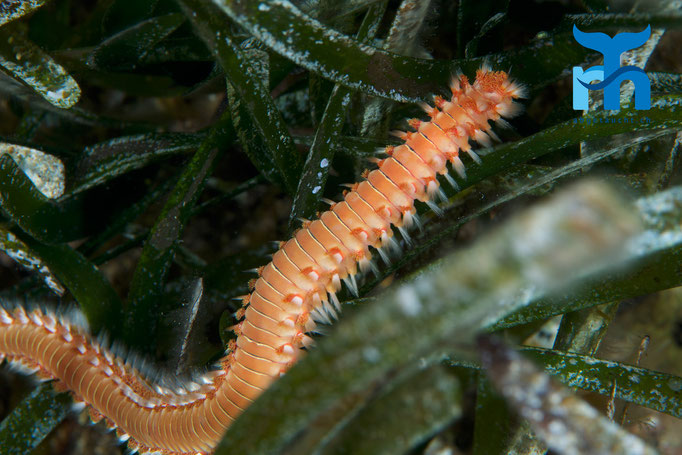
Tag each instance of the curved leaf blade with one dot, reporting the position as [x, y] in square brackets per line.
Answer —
[564, 422]
[316, 168]
[132, 45]
[30, 422]
[110, 159]
[411, 410]
[652, 389]
[14, 9]
[307, 42]
[144, 299]
[45, 171]
[284, 28]
[253, 94]
[30, 64]
[35, 214]
[652, 264]
[27, 258]
[96, 298]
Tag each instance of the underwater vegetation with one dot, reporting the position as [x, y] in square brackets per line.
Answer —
[154, 154]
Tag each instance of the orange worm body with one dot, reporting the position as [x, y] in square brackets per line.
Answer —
[291, 294]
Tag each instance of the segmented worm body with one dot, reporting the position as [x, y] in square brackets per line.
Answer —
[292, 293]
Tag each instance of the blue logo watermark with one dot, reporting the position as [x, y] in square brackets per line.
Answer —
[611, 74]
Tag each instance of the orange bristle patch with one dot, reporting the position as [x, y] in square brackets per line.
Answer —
[453, 131]
[302, 319]
[430, 110]
[469, 105]
[414, 123]
[94, 415]
[491, 81]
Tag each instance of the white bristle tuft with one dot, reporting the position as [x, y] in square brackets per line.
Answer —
[459, 167]
[405, 235]
[474, 156]
[408, 218]
[393, 245]
[432, 187]
[78, 406]
[349, 284]
[484, 139]
[384, 256]
[454, 81]
[517, 90]
[336, 282]
[433, 206]
[367, 265]
[329, 309]
[502, 123]
[509, 108]
[319, 315]
[418, 222]
[451, 181]
[21, 316]
[5, 317]
[355, 285]
[36, 318]
[426, 107]
[440, 194]
[398, 134]
[335, 300]
[50, 323]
